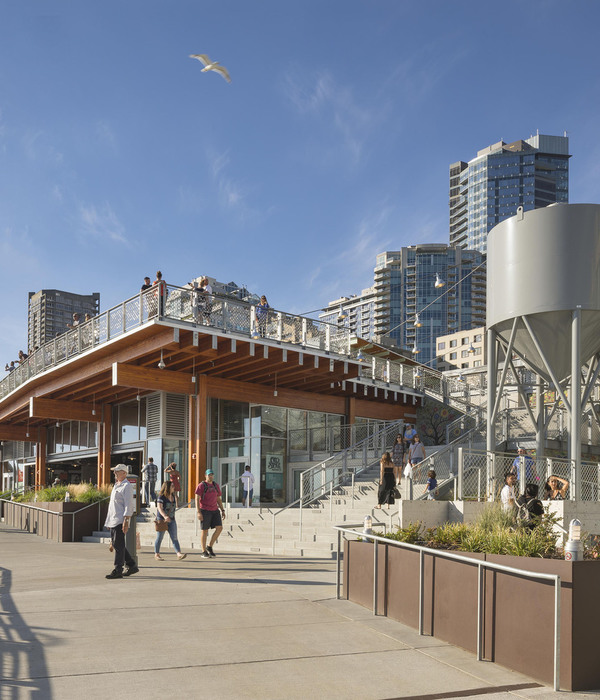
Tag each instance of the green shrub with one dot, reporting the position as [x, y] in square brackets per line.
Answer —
[410, 534]
[494, 532]
[79, 493]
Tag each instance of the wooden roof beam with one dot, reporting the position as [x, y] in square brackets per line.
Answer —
[62, 410]
[18, 433]
[153, 379]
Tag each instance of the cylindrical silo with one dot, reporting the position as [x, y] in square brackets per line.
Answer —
[544, 264]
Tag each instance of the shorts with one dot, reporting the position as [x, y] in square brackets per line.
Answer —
[246, 494]
[211, 518]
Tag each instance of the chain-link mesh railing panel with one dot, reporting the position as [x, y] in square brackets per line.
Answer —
[102, 327]
[72, 341]
[87, 335]
[115, 321]
[595, 429]
[590, 481]
[474, 481]
[338, 341]
[292, 329]
[236, 317]
[132, 313]
[61, 349]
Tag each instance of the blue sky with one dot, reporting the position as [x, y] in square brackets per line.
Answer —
[332, 143]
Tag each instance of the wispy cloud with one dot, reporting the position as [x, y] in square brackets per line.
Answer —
[416, 78]
[30, 139]
[36, 148]
[106, 135]
[322, 98]
[102, 224]
[233, 194]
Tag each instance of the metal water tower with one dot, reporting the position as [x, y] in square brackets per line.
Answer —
[543, 305]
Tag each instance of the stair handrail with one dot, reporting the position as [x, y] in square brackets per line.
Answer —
[328, 484]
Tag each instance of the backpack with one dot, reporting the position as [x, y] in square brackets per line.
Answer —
[205, 484]
[525, 514]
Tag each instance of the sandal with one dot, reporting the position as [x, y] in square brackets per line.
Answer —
[158, 557]
[180, 555]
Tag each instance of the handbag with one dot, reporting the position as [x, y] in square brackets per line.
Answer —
[396, 493]
[161, 525]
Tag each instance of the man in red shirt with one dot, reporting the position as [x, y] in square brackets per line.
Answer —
[208, 505]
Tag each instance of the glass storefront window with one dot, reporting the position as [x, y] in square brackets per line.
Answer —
[233, 419]
[273, 421]
[83, 435]
[297, 429]
[51, 440]
[273, 466]
[92, 435]
[66, 437]
[176, 451]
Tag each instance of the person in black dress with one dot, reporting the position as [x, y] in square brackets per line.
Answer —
[387, 481]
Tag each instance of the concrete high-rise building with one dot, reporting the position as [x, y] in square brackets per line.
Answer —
[404, 286]
[354, 312]
[530, 173]
[50, 310]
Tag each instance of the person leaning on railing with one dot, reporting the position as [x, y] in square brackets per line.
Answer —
[555, 489]
[262, 315]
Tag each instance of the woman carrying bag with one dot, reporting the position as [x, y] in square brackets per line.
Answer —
[166, 505]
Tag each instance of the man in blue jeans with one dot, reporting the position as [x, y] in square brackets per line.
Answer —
[120, 509]
[149, 476]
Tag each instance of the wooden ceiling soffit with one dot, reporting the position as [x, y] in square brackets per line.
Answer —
[18, 433]
[152, 379]
[62, 410]
[253, 393]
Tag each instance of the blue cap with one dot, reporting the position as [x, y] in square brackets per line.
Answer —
[209, 471]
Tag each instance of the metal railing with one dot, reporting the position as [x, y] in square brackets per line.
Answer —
[59, 515]
[479, 475]
[231, 315]
[481, 566]
[339, 470]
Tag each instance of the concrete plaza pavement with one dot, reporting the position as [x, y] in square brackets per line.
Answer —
[236, 626]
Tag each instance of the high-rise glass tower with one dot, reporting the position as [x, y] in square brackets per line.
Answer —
[405, 286]
[531, 173]
[50, 310]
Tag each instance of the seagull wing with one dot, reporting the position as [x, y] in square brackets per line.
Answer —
[202, 57]
[223, 72]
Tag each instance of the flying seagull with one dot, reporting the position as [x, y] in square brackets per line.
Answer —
[211, 65]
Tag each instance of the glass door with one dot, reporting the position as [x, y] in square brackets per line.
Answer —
[231, 468]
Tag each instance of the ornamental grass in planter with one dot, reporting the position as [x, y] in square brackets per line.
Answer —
[496, 531]
[78, 493]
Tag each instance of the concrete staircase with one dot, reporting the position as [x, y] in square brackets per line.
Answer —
[250, 530]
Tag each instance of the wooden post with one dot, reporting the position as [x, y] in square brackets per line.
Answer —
[201, 423]
[104, 445]
[40, 458]
[192, 447]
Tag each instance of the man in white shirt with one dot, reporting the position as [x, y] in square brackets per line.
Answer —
[508, 495]
[120, 510]
[248, 483]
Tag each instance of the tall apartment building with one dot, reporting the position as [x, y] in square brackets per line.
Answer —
[354, 312]
[531, 173]
[50, 310]
[404, 286]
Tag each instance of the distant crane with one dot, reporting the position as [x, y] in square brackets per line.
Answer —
[211, 65]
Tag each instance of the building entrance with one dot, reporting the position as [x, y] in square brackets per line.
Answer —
[232, 468]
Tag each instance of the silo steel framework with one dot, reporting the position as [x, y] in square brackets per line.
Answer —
[543, 305]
